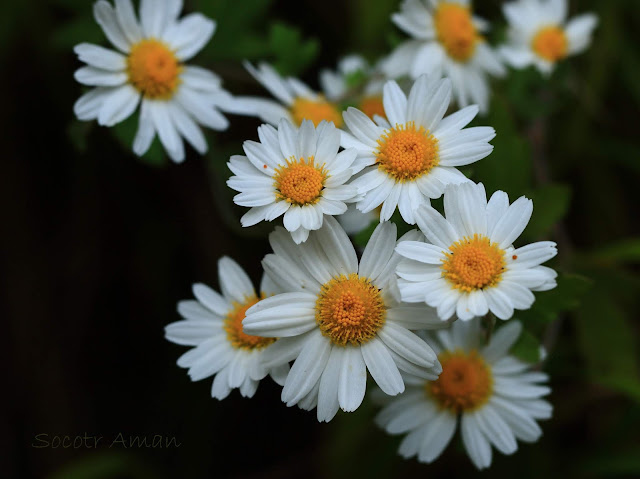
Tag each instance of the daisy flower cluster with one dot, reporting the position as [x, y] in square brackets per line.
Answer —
[414, 315]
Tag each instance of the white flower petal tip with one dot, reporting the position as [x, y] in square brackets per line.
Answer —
[212, 326]
[176, 99]
[496, 396]
[294, 173]
[539, 34]
[471, 267]
[344, 318]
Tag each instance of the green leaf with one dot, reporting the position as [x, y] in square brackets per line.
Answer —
[607, 340]
[80, 30]
[292, 53]
[615, 464]
[565, 297]
[623, 251]
[550, 205]
[240, 33]
[508, 167]
[527, 348]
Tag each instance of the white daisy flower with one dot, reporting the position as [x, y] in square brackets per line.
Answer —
[446, 41]
[149, 69]
[295, 173]
[471, 266]
[496, 397]
[355, 81]
[539, 33]
[295, 100]
[339, 319]
[413, 156]
[213, 325]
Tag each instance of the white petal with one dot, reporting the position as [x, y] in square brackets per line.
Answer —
[119, 106]
[328, 403]
[438, 435]
[513, 222]
[97, 77]
[438, 230]
[100, 57]
[234, 282]
[210, 299]
[307, 368]
[382, 367]
[128, 21]
[407, 344]
[395, 104]
[167, 132]
[282, 315]
[378, 251]
[106, 17]
[474, 441]
[353, 379]
[190, 35]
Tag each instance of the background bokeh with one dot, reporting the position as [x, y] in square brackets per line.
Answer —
[97, 246]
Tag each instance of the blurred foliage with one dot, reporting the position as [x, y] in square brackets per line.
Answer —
[568, 141]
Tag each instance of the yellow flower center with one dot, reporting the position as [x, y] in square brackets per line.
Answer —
[455, 30]
[550, 43]
[350, 310]
[153, 69]
[465, 383]
[233, 327]
[300, 182]
[316, 111]
[406, 153]
[372, 105]
[473, 263]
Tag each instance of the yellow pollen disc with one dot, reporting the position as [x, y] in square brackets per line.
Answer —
[316, 111]
[406, 153]
[455, 30]
[473, 263]
[300, 182]
[233, 327]
[550, 43]
[372, 105]
[465, 383]
[350, 310]
[153, 69]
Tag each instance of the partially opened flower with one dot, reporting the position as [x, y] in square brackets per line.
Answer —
[414, 155]
[149, 70]
[213, 326]
[340, 317]
[495, 398]
[297, 173]
[470, 266]
[446, 40]
[539, 33]
[295, 101]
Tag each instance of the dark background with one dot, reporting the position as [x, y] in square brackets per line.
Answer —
[97, 246]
